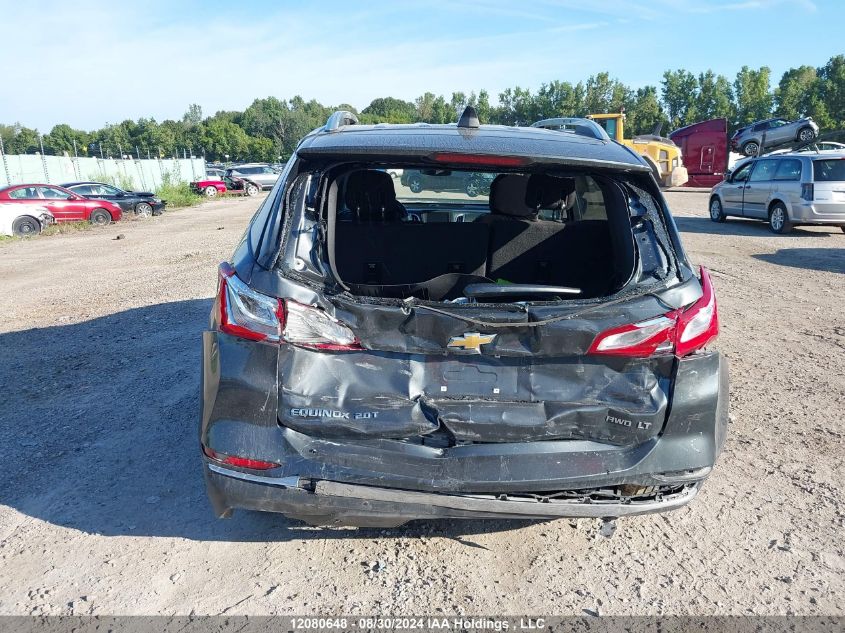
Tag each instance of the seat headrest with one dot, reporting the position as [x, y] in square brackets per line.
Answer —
[370, 195]
[548, 192]
[507, 196]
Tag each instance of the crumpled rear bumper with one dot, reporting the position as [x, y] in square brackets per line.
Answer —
[335, 503]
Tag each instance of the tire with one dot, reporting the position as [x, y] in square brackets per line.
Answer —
[143, 210]
[806, 134]
[100, 217]
[717, 214]
[26, 226]
[751, 148]
[210, 191]
[474, 187]
[251, 189]
[415, 184]
[655, 170]
[779, 219]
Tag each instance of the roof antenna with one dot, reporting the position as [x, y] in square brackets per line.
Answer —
[469, 118]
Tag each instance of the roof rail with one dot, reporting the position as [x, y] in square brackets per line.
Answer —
[576, 125]
[340, 118]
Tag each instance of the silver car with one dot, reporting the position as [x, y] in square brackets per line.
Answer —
[771, 133]
[259, 173]
[785, 190]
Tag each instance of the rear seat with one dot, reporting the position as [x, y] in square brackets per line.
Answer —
[524, 249]
[406, 253]
[509, 244]
[376, 247]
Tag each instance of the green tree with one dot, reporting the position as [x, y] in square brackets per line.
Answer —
[602, 94]
[61, 139]
[714, 97]
[220, 138]
[753, 95]
[645, 113]
[389, 110]
[679, 92]
[831, 91]
[23, 140]
[193, 115]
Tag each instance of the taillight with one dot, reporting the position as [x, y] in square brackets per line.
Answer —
[234, 460]
[680, 331]
[246, 313]
[808, 190]
[313, 327]
[251, 315]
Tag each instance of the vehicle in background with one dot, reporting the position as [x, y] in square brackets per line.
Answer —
[209, 187]
[704, 149]
[786, 190]
[141, 203]
[260, 173]
[662, 155]
[373, 358]
[440, 180]
[23, 221]
[65, 205]
[770, 133]
[213, 173]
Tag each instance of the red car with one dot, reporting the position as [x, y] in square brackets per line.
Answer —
[209, 188]
[65, 205]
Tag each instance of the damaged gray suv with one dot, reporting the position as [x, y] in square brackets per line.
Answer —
[377, 355]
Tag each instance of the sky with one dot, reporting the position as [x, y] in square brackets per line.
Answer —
[89, 63]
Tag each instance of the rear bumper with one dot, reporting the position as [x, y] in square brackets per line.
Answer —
[333, 503]
[819, 213]
[382, 481]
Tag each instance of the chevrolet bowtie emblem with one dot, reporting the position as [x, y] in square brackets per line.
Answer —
[471, 341]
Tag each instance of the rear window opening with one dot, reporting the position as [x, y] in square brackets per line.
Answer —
[464, 236]
[829, 170]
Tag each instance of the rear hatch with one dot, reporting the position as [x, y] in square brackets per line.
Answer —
[829, 184]
[481, 362]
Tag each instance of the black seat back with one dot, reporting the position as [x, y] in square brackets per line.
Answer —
[409, 253]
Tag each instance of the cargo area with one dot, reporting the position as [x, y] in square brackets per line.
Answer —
[534, 236]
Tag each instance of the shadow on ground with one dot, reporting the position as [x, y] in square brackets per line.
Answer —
[830, 260]
[100, 434]
[737, 226]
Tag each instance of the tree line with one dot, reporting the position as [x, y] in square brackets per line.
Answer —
[269, 129]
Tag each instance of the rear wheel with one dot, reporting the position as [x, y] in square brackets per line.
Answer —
[806, 134]
[100, 217]
[210, 191]
[251, 189]
[779, 219]
[143, 210]
[26, 226]
[415, 184]
[717, 214]
[751, 148]
[473, 187]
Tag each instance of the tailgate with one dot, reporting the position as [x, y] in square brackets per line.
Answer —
[526, 384]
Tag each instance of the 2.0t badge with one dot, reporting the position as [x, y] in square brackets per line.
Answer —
[470, 342]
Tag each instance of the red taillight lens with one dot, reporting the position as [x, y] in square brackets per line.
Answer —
[680, 331]
[479, 160]
[251, 315]
[246, 313]
[241, 462]
[699, 323]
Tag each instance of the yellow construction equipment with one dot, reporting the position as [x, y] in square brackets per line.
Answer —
[660, 152]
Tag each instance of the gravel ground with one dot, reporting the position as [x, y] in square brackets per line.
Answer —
[104, 512]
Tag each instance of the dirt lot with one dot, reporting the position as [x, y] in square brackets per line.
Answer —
[103, 509]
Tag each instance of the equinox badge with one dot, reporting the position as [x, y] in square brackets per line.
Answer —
[471, 341]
